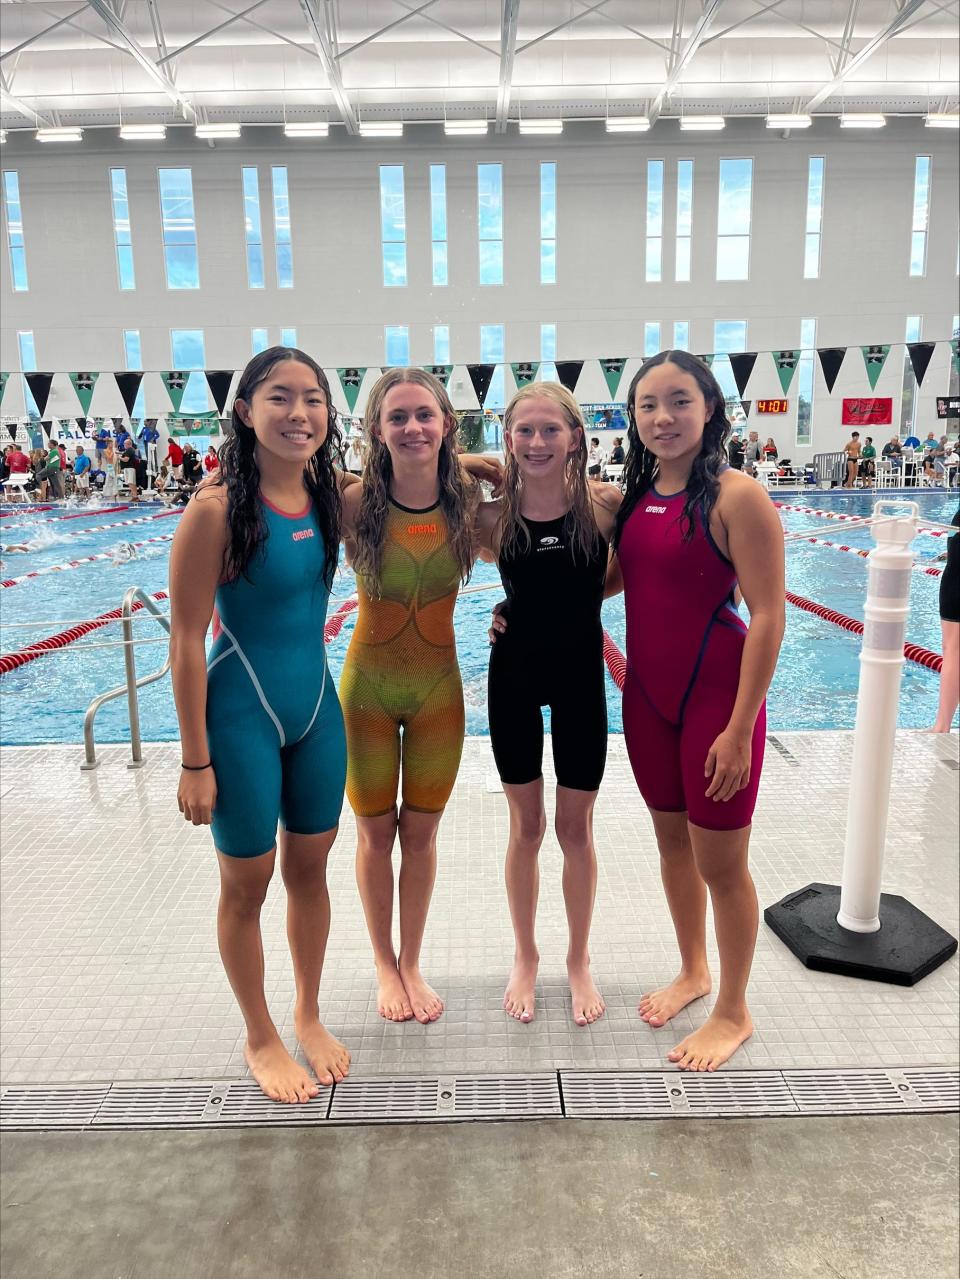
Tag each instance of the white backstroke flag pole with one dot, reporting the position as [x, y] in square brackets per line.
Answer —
[881, 669]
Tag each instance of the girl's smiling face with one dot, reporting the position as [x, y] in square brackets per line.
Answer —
[671, 412]
[287, 412]
[412, 424]
[540, 437]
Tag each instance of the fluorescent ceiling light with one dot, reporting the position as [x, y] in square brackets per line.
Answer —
[465, 128]
[306, 129]
[788, 121]
[381, 129]
[217, 130]
[706, 123]
[541, 126]
[628, 123]
[942, 120]
[863, 120]
[3, 135]
[70, 133]
[143, 132]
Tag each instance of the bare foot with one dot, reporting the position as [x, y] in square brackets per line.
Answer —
[329, 1058]
[519, 999]
[424, 1000]
[280, 1077]
[392, 1001]
[586, 1000]
[659, 1006]
[713, 1044]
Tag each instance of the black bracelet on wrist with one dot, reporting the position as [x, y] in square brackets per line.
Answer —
[196, 768]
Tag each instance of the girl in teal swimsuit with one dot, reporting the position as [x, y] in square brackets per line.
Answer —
[260, 723]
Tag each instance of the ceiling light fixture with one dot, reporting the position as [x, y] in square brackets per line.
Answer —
[789, 121]
[628, 123]
[306, 129]
[702, 123]
[68, 133]
[381, 129]
[143, 132]
[217, 130]
[942, 120]
[3, 135]
[465, 128]
[536, 126]
[863, 120]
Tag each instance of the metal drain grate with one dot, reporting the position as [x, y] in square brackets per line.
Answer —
[664, 1096]
[164, 1105]
[243, 1103]
[739, 1092]
[50, 1107]
[505, 1097]
[938, 1089]
[446, 1098]
[856, 1092]
[621, 1095]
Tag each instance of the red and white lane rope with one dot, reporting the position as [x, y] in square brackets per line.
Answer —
[86, 559]
[856, 550]
[615, 660]
[913, 652]
[335, 623]
[23, 510]
[105, 528]
[864, 520]
[11, 661]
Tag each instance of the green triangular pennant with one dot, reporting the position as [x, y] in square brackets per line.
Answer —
[440, 371]
[4, 378]
[83, 384]
[351, 380]
[525, 372]
[707, 359]
[954, 347]
[786, 362]
[176, 383]
[874, 357]
[612, 372]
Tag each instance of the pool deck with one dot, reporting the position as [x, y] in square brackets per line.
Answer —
[110, 969]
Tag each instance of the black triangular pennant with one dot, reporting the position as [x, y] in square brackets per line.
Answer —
[920, 353]
[39, 384]
[742, 364]
[12, 430]
[219, 381]
[481, 375]
[745, 405]
[129, 385]
[831, 357]
[82, 424]
[568, 373]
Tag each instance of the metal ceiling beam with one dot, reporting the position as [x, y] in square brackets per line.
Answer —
[159, 77]
[461, 35]
[847, 38]
[328, 60]
[696, 37]
[508, 49]
[560, 25]
[410, 13]
[40, 34]
[175, 53]
[869, 49]
[624, 26]
[302, 47]
[767, 8]
[35, 118]
[157, 26]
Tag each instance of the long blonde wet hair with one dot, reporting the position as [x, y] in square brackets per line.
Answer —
[459, 496]
[513, 535]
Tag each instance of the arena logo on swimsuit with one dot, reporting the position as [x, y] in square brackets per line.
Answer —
[655, 510]
[421, 528]
[302, 533]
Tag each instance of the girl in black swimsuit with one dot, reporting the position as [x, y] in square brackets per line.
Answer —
[549, 535]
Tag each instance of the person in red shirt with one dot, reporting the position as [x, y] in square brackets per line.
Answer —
[17, 461]
[175, 458]
[210, 460]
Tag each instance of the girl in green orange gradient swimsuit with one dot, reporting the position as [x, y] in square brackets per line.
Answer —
[409, 531]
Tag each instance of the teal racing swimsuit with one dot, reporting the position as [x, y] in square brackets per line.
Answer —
[273, 718]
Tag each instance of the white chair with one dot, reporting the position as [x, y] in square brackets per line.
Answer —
[16, 484]
[613, 474]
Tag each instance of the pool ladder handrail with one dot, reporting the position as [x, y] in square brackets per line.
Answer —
[134, 595]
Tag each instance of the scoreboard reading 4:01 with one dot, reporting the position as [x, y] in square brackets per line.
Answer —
[772, 406]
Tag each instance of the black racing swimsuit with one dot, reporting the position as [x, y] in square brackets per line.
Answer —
[551, 655]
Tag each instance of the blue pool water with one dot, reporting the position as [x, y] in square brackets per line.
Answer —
[815, 685]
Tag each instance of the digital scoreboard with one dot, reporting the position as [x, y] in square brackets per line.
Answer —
[772, 406]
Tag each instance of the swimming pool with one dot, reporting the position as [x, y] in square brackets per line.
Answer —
[815, 685]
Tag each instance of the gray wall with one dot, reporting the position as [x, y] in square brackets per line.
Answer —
[339, 306]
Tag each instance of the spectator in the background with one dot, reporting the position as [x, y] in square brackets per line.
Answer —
[210, 461]
[81, 472]
[174, 459]
[50, 476]
[617, 455]
[770, 453]
[752, 453]
[868, 462]
[192, 467]
[64, 464]
[129, 457]
[102, 438]
[735, 451]
[893, 451]
[595, 459]
[17, 461]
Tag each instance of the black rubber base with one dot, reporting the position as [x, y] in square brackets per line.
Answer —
[907, 946]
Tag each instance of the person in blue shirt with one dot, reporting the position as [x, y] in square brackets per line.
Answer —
[81, 472]
[102, 440]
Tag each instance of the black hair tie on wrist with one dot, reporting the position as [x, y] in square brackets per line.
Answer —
[196, 768]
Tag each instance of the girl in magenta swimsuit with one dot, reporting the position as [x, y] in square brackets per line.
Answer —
[691, 529]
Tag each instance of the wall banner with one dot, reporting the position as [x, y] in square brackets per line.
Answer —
[948, 406]
[869, 411]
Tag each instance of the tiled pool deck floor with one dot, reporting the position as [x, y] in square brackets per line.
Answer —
[110, 968]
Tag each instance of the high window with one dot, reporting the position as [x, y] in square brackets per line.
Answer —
[681, 335]
[179, 229]
[133, 358]
[491, 352]
[728, 335]
[393, 226]
[15, 245]
[908, 396]
[490, 222]
[396, 345]
[684, 219]
[28, 364]
[121, 228]
[282, 230]
[548, 352]
[921, 210]
[548, 224]
[651, 337]
[811, 249]
[438, 225]
[252, 228]
[259, 341]
[733, 219]
[654, 221]
[288, 337]
[441, 344]
[187, 349]
[805, 381]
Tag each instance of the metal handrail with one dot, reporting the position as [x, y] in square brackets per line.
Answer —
[131, 683]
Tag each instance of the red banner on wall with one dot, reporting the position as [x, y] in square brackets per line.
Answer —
[868, 412]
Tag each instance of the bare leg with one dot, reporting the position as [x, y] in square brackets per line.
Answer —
[574, 826]
[721, 858]
[686, 895]
[375, 840]
[243, 887]
[418, 870]
[528, 824]
[303, 864]
[949, 675]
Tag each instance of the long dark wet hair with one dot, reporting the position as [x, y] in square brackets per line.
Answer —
[247, 528]
[642, 467]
